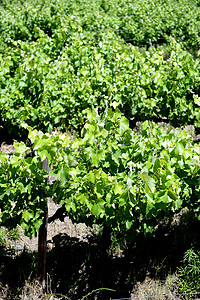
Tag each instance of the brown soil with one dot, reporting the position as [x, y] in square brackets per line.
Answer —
[79, 231]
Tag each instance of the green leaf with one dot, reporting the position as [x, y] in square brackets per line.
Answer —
[97, 156]
[37, 224]
[128, 224]
[63, 175]
[33, 135]
[27, 215]
[150, 204]
[145, 125]
[124, 125]
[179, 148]
[98, 209]
[119, 188]
[178, 203]
[116, 155]
[20, 147]
[91, 177]
[172, 194]
[149, 182]
[44, 154]
[99, 188]
[197, 100]
[165, 198]
[84, 71]
[82, 198]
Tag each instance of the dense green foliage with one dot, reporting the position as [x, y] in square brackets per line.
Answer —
[59, 57]
[134, 21]
[98, 67]
[128, 181]
[111, 175]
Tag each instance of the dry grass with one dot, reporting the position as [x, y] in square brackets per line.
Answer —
[4, 292]
[35, 291]
[149, 289]
[30, 291]
[155, 289]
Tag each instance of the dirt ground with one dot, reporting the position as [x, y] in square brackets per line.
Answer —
[79, 231]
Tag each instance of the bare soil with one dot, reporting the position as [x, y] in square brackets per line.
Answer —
[78, 231]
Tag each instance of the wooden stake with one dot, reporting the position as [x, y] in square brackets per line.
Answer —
[42, 238]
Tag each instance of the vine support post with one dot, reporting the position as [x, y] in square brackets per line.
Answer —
[42, 237]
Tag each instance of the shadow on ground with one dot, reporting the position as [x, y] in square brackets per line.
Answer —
[78, 267]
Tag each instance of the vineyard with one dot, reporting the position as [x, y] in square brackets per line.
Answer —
[109, 93]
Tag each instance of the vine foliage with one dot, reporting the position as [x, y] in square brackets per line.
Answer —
[111, 175]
